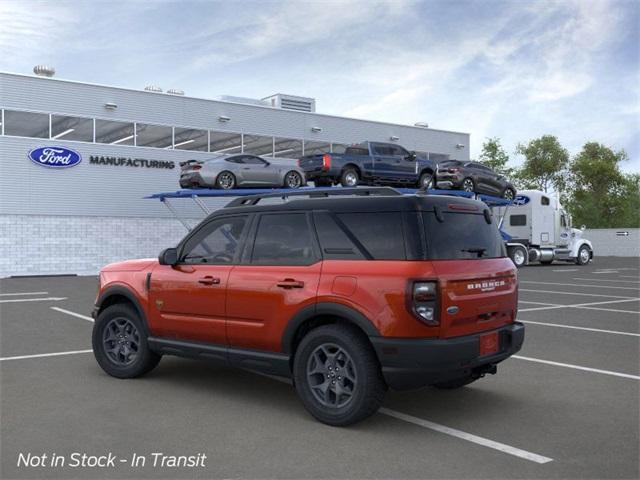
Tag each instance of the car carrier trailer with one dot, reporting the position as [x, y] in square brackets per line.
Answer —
[515, 250]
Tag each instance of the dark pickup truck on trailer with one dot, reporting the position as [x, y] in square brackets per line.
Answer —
[369, 163]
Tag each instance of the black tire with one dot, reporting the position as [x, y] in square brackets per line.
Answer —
[453, 384]
[323, 182]
[364, 393]
[584, 255]
[119, 364]
[426, 181]
[349, 177]
[468, 185]
[546, 262]
[508, 194]
[518, 256]
[226, 180]
[293, 180]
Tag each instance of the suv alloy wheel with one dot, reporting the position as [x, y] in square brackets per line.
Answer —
[120, 343]
[337, 375]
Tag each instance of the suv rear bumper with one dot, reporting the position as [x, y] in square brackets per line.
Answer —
[413, 363]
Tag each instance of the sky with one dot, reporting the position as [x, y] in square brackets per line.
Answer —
[509, 69]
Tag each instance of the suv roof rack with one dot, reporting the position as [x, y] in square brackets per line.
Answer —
[315, 193]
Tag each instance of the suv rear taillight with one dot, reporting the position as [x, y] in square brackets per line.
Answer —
[453, 170]
[196, 167]
[326, 161]
[424, 296]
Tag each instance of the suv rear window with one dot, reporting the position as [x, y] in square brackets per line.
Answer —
[356, 151]
[461, 236]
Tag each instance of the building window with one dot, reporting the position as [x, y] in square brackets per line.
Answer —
[114, 133]
[315, 148]
[71, 128]
[157, 136]
[26, 124]
[190, 139]
[287, 148]
[258, 145]
[225, 142]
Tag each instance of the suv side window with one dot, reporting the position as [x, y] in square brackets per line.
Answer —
[283, 239]
[334, 241]
[380, 233]
[216, 243]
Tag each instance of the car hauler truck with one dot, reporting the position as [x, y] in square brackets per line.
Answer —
[538, 229]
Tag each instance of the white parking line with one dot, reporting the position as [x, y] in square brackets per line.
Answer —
[73, 314]
[614, 287]
[40, 355]
[605, 272]
[575, 293]
[633, 312]
[48, 299]
[469, 437]
[597, 330]
[443, 429]
[578, 367]
[628, 276]
[588, 306]
[23, 293]
[605, 280]
[541, 303]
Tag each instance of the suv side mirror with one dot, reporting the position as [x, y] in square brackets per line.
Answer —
[412, 156]
[169, 256]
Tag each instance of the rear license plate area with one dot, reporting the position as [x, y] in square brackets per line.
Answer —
[489, 344]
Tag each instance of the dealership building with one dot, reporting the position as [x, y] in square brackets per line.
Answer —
[127, 144]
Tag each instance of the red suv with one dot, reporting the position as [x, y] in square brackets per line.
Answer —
[347, 295]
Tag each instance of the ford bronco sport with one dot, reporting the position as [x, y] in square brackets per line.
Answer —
[347, 296]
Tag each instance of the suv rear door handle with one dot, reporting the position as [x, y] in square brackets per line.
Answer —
[290, 283]
[209, 280]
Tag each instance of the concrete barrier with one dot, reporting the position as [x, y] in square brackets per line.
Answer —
[614, 242]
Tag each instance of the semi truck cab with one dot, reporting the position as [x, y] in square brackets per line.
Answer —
[539, 229]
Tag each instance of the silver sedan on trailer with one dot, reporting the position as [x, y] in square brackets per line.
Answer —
[241, 170]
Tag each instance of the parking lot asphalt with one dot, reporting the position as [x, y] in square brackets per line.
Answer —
[565, 407]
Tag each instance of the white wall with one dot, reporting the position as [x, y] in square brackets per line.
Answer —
[49, 245]
[607, 242]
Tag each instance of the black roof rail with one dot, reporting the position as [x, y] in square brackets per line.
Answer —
[316, 193]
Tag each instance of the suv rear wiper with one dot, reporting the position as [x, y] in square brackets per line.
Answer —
[479, 250]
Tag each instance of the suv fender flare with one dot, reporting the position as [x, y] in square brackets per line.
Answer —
[118, 290]
[325, 308]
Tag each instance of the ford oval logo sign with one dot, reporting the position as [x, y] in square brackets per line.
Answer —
[55, 157]
[521, 200]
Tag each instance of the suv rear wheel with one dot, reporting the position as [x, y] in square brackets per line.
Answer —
[337, 375]
[119, 342]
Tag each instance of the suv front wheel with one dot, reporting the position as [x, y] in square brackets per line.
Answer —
[337, 375]
[120, 343]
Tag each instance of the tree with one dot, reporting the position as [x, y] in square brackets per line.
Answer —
[545, 163]
[600, 195]
[494, 156]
